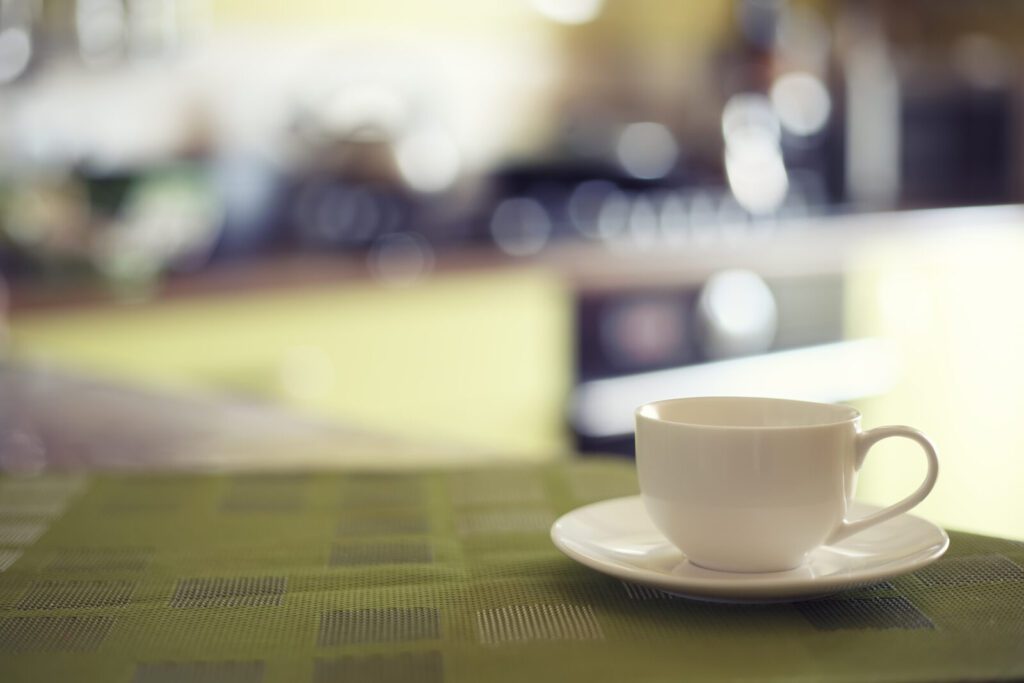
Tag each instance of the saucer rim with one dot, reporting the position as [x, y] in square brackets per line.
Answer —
[755, 586]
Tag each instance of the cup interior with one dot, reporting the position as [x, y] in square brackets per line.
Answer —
[746, 412]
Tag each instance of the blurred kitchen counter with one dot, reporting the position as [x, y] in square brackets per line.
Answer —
[59, 421]
[808, 245]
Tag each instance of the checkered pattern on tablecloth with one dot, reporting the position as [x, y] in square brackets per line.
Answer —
[439, 577]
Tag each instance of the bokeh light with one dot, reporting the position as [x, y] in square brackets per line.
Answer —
[749, 115]
[753, 158]
[643, 223]
[429, 160]
[585, 204]
[738, 312]
[647, 150]
[401, 259]
[520, 226]
[613, 218]
[15, 53]
[757, 175]
[802, 103]
[674, 220]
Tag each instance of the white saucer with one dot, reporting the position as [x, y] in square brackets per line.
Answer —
[617, 538]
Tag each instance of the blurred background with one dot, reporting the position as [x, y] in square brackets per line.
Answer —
[503, 225]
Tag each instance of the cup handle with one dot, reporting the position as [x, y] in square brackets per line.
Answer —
[865, 440]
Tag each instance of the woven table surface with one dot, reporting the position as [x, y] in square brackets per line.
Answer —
[435, 577]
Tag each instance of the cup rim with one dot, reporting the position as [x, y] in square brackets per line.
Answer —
[852, 414]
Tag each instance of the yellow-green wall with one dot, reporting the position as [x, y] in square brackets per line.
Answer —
[476, 359]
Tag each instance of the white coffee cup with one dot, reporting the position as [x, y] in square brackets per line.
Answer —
[754, 484]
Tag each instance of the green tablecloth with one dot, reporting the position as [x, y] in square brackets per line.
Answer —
[436, 578]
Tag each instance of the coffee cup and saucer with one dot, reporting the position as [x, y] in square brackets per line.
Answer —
[751, 500]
